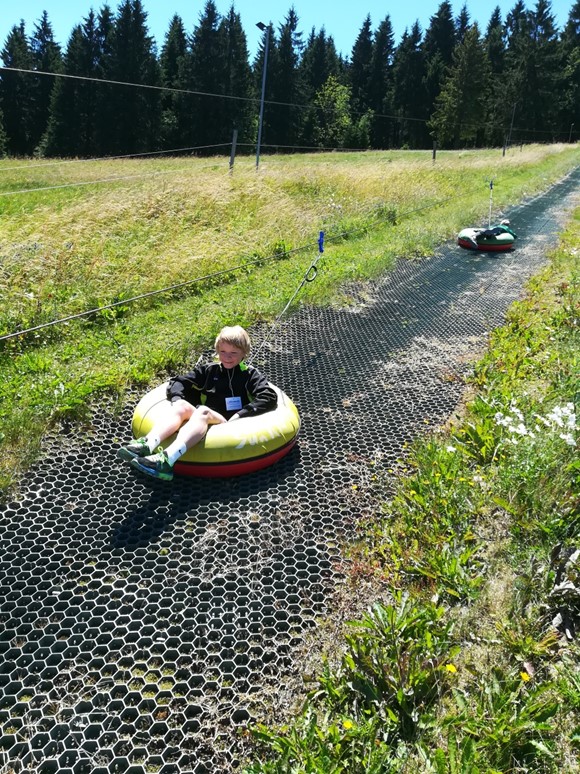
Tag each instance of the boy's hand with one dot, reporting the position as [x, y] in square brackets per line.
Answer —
[215, 418]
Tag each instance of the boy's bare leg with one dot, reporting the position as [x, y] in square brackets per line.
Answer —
[196, 427]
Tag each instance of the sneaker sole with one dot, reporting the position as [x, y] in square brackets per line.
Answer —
[152, 474]
[127, 456]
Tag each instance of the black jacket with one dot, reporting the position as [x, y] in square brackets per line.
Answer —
[211, 384]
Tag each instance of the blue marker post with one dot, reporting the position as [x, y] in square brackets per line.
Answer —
[313, 271]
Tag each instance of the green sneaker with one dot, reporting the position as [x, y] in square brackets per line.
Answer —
[156, 465]
[137, 448]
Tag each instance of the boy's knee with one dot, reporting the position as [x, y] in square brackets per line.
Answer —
[203, 413]
[182, 408]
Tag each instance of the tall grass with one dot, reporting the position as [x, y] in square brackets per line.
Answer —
[80, 236]
[153, 223]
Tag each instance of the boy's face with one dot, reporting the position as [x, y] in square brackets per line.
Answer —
[229, 355]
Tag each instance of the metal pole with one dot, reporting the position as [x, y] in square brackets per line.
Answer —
[263, 27]
[233, 151]
[509, 142]
[570, 136]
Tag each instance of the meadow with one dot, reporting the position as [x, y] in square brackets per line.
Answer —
[203, 247]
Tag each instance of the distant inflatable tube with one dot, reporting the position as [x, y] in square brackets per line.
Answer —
[475, 239]
[230, 449]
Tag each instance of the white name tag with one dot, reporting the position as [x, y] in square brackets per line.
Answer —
[234, 404]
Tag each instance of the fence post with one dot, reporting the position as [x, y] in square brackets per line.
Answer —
[434, 150]
[233, 153]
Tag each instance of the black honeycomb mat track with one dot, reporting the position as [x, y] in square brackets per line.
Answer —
[144, 623]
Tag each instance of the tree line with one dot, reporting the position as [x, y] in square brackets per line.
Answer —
[111, 92]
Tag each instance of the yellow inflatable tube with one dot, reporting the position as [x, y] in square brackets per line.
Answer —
[229, 449]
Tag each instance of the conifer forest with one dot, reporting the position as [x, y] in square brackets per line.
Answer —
[113, 90]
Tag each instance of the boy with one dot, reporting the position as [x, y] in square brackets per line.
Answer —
[210, 394]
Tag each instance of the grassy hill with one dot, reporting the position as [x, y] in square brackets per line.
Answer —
[81, 236]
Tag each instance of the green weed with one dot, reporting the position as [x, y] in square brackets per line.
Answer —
[457, 571]
[393, 667]
[510, 721]
[317, 744]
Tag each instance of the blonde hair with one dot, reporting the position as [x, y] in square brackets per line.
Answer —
[235, 336]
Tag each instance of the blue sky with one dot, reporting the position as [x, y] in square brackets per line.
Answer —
[340, 19]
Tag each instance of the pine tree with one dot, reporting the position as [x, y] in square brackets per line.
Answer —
[67, 130]
[3, 140]
[286, 117]
[494, 44]
[570, 49]
[461, 108]
[15, 93]
[133, 61]
[549, 64]
[319, 61]
[516, 23]
[518, 40]
[239, 113]
[207, 76]
[440, 35]
[409, 96]
[495, 50]
[46, 58]
[438, 48]
[359, 70]
[269, 120]
[380, 85]
[105, 102]
[462, 24]
[173, 76]
[534, 71]
[73, 111]
[571, 32]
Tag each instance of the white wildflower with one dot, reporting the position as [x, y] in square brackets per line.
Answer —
[520, 429]
[563, 416]
[555, 417]
[516, 412]
[569, 438]
[543, 420]
[450, 449]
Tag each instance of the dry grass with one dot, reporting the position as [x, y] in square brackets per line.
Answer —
[134, 225]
